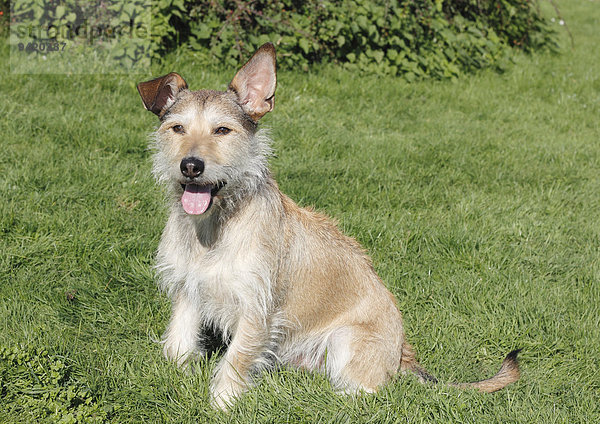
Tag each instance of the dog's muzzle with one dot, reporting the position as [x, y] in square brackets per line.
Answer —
[197, 197]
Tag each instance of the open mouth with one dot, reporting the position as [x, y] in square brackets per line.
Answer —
[197, 199]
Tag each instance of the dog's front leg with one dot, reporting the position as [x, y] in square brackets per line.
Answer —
[182, 337]
[247, 346]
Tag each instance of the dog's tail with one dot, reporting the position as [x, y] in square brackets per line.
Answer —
[508, 373]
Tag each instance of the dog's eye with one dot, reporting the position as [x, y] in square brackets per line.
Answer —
[178, 129]
[222, 131]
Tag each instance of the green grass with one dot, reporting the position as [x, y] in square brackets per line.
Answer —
[478, 200]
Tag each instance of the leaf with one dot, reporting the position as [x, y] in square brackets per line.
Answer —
[378, 55]
[304, 45]
[129, 9]
[202, 32]
[60, 12]
[362, 22]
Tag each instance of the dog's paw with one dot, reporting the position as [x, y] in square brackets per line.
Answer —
[179, 355]
[224, 394]
[173, 353]
[223, 401]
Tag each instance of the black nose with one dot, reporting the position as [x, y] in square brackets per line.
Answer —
[191, 167]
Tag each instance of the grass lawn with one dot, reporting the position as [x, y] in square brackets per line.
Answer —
[478, 200]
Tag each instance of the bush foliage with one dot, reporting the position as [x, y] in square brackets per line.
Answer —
[412, 38]
[36, 384]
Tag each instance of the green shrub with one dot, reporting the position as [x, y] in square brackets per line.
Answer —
[117, 31]
[412, 38]
[40, 386]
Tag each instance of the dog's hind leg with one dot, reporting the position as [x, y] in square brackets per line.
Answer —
[359, 359]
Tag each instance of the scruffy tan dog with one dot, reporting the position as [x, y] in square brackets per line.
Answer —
[280, 283]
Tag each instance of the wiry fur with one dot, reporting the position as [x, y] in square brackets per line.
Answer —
[279, 282]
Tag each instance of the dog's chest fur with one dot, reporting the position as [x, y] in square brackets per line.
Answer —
[220, 271]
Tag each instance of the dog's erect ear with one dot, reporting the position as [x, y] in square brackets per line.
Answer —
[159, 94]
[255, 83]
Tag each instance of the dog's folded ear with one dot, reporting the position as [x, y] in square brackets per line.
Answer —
[255, 82]
[159, 94]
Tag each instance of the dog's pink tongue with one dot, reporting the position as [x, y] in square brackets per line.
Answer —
[195, 199]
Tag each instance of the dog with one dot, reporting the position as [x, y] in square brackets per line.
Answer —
[237, 257]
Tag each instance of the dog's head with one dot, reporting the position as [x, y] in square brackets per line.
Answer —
[207, 148]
